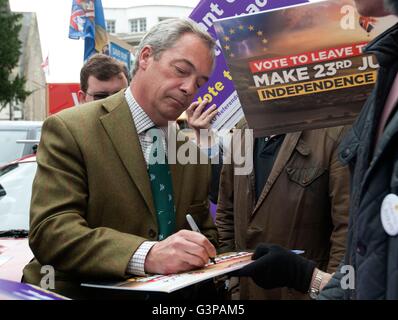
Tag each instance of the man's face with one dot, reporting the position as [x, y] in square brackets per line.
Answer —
[97, 89]
[371, 8]
[168, 85]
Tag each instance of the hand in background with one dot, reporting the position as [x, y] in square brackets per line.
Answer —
[199, 119]
[276, 267]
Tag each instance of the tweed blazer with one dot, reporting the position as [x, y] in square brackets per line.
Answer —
[92, 205]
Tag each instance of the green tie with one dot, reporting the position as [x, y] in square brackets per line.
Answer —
[161, 185]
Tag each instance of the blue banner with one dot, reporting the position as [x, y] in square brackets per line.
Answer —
[87, 21]
[120, 54]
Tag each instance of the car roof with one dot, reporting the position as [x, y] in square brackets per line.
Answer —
[5, 124]
[28, 158]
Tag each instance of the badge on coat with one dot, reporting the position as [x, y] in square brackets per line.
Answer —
[389, 214]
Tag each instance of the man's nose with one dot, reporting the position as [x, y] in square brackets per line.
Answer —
[188, 86]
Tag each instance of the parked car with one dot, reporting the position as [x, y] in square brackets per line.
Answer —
[16, 180]
[18, 139]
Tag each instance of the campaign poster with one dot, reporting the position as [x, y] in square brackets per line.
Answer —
[220, 88]
[223, 264]
[301, 67]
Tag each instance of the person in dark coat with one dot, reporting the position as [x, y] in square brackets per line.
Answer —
[370, 266]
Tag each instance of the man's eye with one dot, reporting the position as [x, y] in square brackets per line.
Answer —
[180, 70]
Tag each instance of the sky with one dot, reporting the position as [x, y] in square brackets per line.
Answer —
[66, 55]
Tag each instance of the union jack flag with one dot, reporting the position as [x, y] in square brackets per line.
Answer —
[87, 21]
[367, 23]
[81, 19]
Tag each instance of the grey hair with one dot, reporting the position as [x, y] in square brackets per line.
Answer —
[391, 6]
[166, 33]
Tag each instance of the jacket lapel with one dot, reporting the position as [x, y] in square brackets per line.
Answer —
[370, 154]
[389, 132]
[289, 144]
[119, 125]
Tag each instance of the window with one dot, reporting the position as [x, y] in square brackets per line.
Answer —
[16, 142]
[138, 25]
[110, 26]
[164, 18]
[10, 149]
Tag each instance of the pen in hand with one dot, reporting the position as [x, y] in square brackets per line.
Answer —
[195, 228]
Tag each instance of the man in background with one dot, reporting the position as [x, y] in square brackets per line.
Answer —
[101, 76]
[296, 196]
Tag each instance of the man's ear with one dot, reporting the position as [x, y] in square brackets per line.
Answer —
[145, 57]
[81, 96]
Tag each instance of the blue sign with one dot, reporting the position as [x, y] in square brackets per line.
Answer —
[120, 53]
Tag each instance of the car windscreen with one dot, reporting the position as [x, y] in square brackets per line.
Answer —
[9, 148]
[8, 168]
[16, 192]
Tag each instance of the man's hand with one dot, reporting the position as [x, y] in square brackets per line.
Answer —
[182, 251]
[276, 267]
[197, 119]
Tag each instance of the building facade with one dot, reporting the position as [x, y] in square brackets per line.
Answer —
[29, 67]
[131, 23]
[34, 107]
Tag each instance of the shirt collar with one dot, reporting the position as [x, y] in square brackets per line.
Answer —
[141, 120]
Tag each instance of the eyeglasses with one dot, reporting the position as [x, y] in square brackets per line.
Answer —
[101, 95]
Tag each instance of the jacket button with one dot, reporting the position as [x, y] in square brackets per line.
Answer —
[152, 233]
[361, 248]
[346, 152]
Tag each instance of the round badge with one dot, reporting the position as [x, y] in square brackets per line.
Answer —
[389, 214]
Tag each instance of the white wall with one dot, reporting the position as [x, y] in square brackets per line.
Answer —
[150, 12]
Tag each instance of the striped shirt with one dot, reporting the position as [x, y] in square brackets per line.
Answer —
[143, 124]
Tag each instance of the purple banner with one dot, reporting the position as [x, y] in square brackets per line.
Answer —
[220, 89]
[11, 290]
